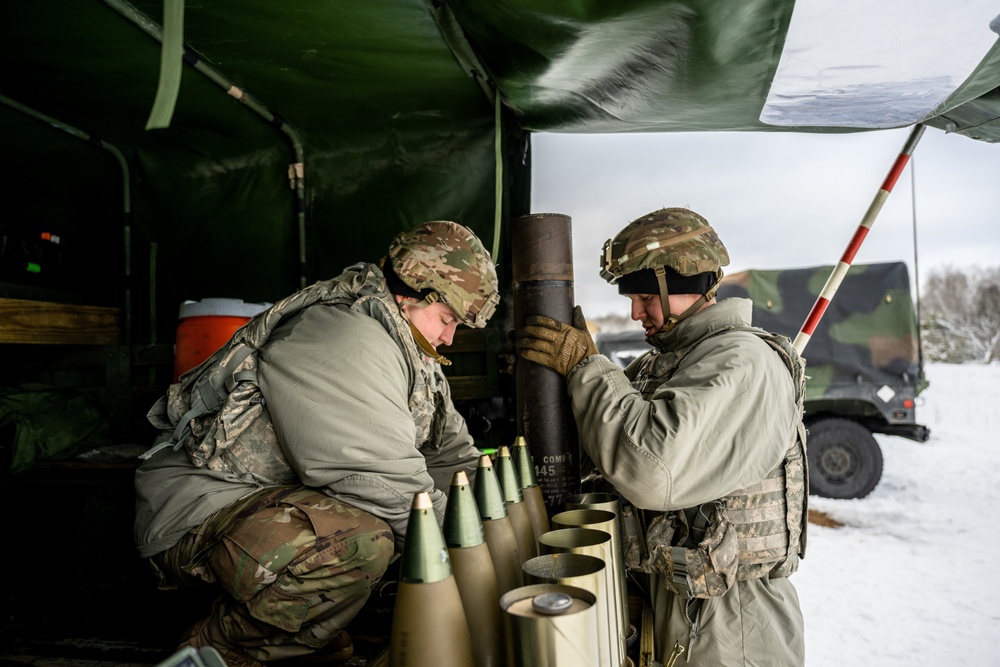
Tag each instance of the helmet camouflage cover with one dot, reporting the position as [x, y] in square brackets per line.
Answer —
[449, 259]
[674, 237]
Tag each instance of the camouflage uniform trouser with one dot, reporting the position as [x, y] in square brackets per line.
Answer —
[296, 566]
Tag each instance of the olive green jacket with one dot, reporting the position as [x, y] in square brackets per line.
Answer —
[718, 423]
[336, 385]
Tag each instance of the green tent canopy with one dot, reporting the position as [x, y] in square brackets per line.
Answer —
[296, 137]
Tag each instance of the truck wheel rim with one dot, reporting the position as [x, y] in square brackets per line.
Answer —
[838, 463]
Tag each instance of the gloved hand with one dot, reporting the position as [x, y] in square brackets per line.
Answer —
[554, 344]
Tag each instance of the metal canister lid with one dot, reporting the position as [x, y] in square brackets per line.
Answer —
[551, 604]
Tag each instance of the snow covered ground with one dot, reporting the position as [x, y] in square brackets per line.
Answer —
[913, 576]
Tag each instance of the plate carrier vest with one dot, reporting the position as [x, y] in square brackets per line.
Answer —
[756, 532]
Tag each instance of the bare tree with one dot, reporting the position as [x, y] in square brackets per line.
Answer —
[960, 313]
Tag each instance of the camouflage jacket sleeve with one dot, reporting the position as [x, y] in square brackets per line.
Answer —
[720, 423]
[337, 385]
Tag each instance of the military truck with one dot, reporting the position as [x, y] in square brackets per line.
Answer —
[863, 363]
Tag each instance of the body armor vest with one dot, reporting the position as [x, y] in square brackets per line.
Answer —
[756, 532]
[216, 410]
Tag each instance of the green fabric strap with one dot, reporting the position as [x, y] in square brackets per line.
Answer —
[171, 65]
[498, 152]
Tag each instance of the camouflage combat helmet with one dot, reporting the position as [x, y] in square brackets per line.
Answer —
[450, 260]
[673, 238]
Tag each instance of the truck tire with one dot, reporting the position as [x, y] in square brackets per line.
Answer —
[845, 461]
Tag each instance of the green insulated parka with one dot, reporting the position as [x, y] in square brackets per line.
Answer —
[340, 399]
[700, 434]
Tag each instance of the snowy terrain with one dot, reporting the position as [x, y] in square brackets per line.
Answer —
[912, 578]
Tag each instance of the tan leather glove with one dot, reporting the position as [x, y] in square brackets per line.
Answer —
[554, 344]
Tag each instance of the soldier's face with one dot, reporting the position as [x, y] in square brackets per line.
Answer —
[647, 310]
[436, 322]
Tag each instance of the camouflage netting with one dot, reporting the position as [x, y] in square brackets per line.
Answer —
[867, 335]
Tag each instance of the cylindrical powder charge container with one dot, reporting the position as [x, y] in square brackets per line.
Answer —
[550, 625]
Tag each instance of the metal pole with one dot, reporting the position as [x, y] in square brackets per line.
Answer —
[296, 170]
[839, 271]
[916, 260]
[126, 197]
[542, 271]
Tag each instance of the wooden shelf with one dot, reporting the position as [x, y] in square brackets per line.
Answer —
[50, 323]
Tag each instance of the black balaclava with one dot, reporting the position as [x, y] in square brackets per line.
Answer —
[665, 281]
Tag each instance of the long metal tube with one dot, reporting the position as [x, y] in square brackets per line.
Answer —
[296, 170]
[542, 271]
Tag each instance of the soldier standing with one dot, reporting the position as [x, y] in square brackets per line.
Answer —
[703, 435]
[288, 460]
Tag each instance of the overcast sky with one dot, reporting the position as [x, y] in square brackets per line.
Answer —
[777, 199]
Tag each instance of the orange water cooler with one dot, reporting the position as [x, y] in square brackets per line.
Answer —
[207, 325]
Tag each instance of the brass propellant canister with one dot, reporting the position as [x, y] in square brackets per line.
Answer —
[608, 502]
[606, 521]
[533, 499]
[429, 622]
[473, 568]
[510, 486]
[582, 571]
[596, 543]
[550, 625]
[500, 537]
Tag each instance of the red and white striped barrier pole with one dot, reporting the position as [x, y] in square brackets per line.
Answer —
[839, 271]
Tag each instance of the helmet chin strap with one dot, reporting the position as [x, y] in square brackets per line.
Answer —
[670, 320]
[427, 348]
